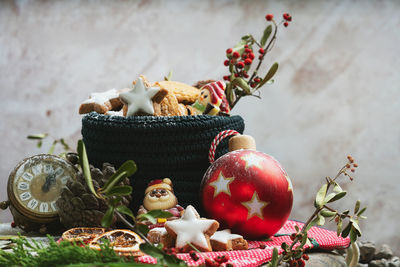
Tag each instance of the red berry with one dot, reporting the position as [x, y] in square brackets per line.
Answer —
[226, 62]
[13, 225]
[236, 54]
[261, 51]
[240, 64]
[233, 61]
[226, 78]
[306, 257]
[262, 246]
[301, 263]
[260, 57]
[246, 46]
[229, 50]
[247, 50]
[286, 16]
[251, 56]
[286, 24]
[244, 56]
[248, 61]
[257, 79]
[292, 236]
[236, 74]
[253, 85]
[269, 17]
[209, 262]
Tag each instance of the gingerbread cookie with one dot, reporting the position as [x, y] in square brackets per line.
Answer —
[224, 240]
[160, 235]
[101, 102]
[169, 106]
[184, 93]
[192, 229]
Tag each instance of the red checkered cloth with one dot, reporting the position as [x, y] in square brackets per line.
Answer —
[254, 256]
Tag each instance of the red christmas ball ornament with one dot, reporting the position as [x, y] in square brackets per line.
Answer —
[246, 190]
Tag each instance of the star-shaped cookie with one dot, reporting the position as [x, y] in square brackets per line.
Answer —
[139, 98]
[192, 229]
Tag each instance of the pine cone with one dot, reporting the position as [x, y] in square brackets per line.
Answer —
[78, 207]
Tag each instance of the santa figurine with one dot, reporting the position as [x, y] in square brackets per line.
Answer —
[212, 99]
[159, 195]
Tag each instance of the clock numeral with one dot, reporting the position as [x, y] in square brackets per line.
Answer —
[59, 171]
[65, 179]
[23, 185]
[44, 207]
[37, 169]
[25, 196]
[32, 204]
[48, 168]
[27, 176]
[53, 205]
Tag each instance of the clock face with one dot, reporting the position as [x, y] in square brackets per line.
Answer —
[38, 182]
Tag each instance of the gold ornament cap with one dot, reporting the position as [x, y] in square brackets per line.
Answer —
[242, 142]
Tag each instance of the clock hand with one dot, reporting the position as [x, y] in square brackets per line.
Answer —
[50, 180]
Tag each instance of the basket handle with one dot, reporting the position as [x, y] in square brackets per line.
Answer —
[217, 139]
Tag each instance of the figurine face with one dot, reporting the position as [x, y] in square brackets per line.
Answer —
[204, 97]
[159, 199]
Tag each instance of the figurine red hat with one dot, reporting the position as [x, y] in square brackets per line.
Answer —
[216, 90]
[165, 183]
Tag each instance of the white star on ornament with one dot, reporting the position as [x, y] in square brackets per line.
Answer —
[290, 187]
[221, 185]
[255, 206]
[190, 228]
[252, 159]
[139, 98]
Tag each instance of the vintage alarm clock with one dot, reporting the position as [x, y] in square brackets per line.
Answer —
[33, 189]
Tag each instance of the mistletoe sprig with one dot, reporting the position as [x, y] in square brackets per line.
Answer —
[329, 192]
[241, 58]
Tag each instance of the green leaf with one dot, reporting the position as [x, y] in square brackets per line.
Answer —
[304, 239]
[127, 169]
[327, 213]
[339, 226]
[39, 144]
[353, 235]
[160, 214]
[311, 224]
[267, 33]
[37, 136]
[246, 37]
[125, 210]
[337, 196]
[361, 211]
[346, 230]
[319, 199]
[229, 94]
[239, 47]
[274, 259]
[65, 145]
[53, 146]
[146, 216]
[357, 206]
[356, 226]
[337, 188]
[144, 229]
[113, 201]
[107, 219]
[151, 250]
[84, 163]
[321, 220]
[329, 197]
[123, 190]
[296, 227]
[271, 72]
[169, 76]
[242, 84]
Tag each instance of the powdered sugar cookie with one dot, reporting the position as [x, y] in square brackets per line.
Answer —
[160, 235]
[100, 102]
[191, 229]
[225, 240]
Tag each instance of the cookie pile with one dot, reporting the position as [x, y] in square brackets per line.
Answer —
[199, 232]
[164, 98]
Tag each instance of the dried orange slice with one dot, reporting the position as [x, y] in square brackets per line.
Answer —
[84, 234]
[124, 242]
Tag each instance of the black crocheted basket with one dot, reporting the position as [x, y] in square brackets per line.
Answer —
[174, 147]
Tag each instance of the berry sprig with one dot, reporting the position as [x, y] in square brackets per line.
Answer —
[241, 58]
[208, 262]
[329, 192]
